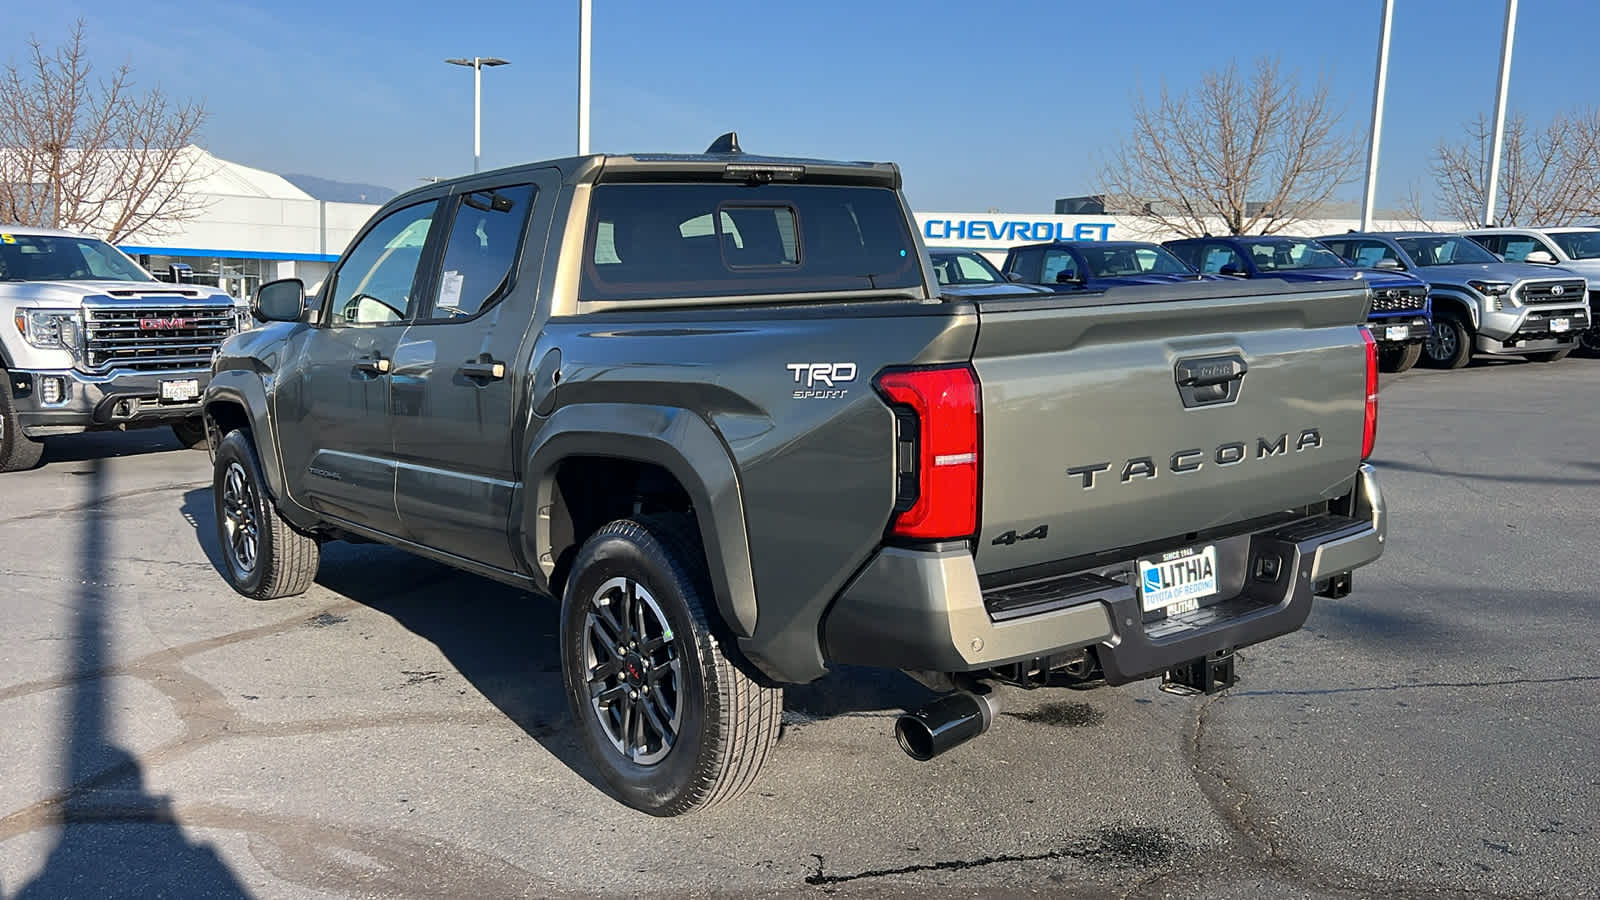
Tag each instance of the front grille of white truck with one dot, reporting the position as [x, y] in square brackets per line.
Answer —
[1554, 291]
[154, 338]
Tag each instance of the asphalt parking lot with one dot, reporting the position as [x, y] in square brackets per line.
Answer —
[399, 730]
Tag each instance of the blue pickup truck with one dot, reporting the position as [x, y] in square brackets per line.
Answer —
[1092, 265]
[1402, 310]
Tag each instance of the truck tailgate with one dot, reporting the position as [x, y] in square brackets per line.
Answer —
[1090, 442]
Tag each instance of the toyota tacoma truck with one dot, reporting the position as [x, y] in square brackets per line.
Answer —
[90, 341]
[1482, 305]
[1574, 248]
[1401, 317]
[718, 406]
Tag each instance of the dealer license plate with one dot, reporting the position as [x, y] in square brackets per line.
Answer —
[1178, 581]
[180, 390]
[1560, 325]
[1397, 332]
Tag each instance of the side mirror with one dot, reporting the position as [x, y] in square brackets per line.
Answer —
[1387, 263]
[1234, 271]
[1540, 258]
[1014, 277]
[283, 300]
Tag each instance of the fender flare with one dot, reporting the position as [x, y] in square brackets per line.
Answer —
[1453, 298]
[677, 440]
[245, 390]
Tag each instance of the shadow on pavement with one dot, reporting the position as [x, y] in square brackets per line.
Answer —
[115, 839]
[503, 641]
[103, 444]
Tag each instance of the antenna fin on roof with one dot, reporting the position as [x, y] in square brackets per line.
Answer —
[728, 143]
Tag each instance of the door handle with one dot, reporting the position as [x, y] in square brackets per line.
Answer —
[484, 370]
[375, 366]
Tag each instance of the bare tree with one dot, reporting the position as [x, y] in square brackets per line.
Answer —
[92, 154]
[1548, 176]
[1249, 154]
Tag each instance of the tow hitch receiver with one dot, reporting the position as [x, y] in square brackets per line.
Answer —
[1207, 675]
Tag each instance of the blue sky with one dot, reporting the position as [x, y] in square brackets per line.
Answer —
[1004, 105]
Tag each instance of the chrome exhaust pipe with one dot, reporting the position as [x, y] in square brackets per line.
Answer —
[947, 722]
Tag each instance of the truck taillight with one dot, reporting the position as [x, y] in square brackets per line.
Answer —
[937, 418]
[1369, 426]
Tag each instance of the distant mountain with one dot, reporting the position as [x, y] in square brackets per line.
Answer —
[340, 191]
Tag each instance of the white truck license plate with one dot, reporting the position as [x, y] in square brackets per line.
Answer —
[1397, 332]
[1560, 325]
[180, 390]
[1179, 580]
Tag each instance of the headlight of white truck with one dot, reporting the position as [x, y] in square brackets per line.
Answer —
[50, 329]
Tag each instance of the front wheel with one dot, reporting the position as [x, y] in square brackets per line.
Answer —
[1589, 341]
[17, 451]
[1399, 359]
[668, 718]
[1449, 345]
[264, 556]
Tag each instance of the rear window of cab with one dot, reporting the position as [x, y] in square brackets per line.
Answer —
[681, 241]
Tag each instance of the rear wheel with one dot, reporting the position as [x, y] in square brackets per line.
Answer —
[1449, 345]
[1549, 356]
[17, 450]
[191, 433]
[670, 721]
[1399, 359]
[264, 556]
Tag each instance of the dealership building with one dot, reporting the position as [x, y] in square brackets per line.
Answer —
[255, 226]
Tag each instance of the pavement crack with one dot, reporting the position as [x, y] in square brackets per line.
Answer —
[1422, 685]
[102, 501]
[1115, 847]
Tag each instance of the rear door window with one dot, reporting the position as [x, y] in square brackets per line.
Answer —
[484, 242]
[679, 241]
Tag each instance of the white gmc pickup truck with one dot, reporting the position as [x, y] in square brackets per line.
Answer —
[90, 341]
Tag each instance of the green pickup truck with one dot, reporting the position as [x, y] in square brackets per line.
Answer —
[718, 407]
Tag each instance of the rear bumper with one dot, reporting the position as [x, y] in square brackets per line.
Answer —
[90, 402]
[925, 610]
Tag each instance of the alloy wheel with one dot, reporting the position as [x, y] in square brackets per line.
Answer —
[633, 671]
[1441, 342]
[240, 521]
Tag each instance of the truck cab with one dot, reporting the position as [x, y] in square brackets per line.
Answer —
[1401, 316]
[1574, 248]
[1482, 304]
[92, 342]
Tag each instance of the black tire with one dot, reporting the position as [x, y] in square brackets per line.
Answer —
[1400, 359]
[18, 452]
[279, 561]
[726, 723]
[1450, 344]
[1589, 339]
[191, 433]
[1548, 356]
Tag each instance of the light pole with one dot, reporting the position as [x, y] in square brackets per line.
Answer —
[1506, 39]
[476, 64]
[584, 16]
[1375, 136]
